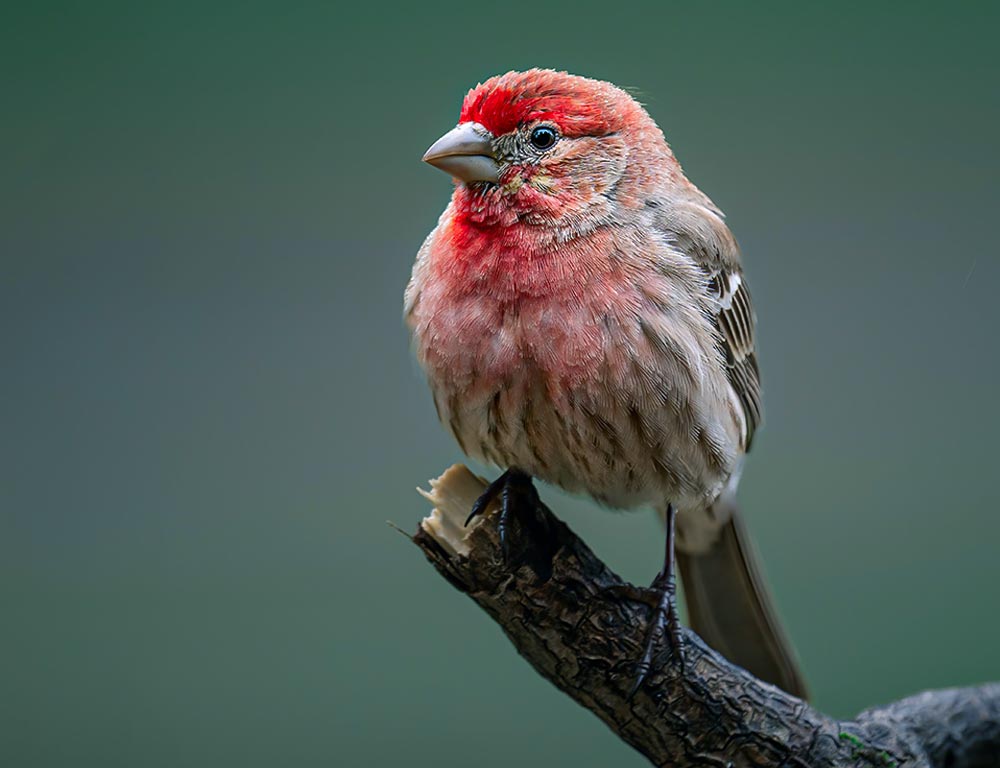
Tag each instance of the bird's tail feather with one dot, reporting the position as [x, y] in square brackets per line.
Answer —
[730, 607]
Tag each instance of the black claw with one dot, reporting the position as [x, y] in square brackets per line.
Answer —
[503, 521]
[664, 623]
[519, 498]
[486, 498]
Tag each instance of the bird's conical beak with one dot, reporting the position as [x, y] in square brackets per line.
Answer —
[465, 152]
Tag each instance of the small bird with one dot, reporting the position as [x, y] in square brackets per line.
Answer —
[583, 318]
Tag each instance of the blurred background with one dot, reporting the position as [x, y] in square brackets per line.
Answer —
[209, 409]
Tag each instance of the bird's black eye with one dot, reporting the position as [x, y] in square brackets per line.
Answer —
[543, 137]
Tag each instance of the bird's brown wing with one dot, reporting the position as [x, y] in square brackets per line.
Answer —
[698, 229]
[735, 321]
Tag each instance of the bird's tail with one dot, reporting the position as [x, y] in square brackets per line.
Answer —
[730, 607]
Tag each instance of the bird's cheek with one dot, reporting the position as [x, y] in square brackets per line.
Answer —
[544, 183]
[529, 180]
[511, 180]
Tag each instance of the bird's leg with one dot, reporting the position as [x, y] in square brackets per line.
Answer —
[664, 623]
[517, 497]
[661, 597]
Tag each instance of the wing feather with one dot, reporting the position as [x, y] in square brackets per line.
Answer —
[735, 321]
[697, 228]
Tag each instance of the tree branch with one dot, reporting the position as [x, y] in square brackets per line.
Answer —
[563, 610]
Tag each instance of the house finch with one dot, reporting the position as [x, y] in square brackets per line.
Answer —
[583, 318]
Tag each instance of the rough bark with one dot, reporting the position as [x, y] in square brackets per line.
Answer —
[568, 615]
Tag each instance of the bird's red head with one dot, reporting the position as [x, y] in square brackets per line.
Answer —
[546, 147]
[576, 106]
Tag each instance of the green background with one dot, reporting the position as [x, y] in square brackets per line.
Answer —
[208, 408]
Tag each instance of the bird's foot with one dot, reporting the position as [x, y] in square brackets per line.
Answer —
[518, 500]
[664, 623]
